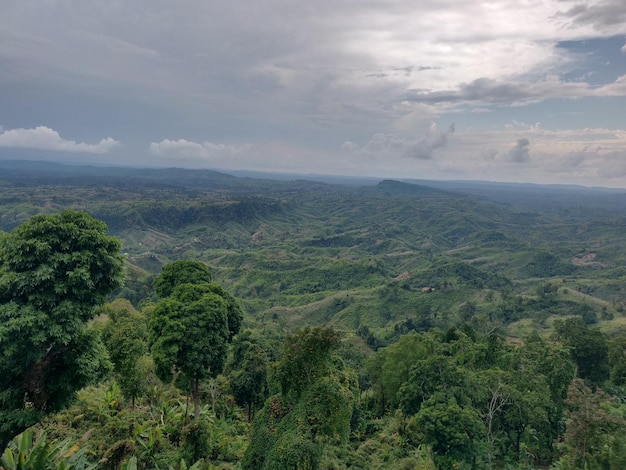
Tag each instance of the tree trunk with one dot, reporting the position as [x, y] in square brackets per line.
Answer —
[186, 409]
[195, 393]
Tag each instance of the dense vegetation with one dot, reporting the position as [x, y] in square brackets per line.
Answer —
[363, 325]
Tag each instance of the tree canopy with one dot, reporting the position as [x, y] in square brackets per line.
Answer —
[54, 269]
[317, 399]
[191, 327]
[180, 272]
[125, 336]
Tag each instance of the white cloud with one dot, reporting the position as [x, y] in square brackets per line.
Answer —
[520, 152]
[297, 80]
[579, 156]
[44, 138]
[349, 146]
[186, 148]
[394, 145]
[617, 88]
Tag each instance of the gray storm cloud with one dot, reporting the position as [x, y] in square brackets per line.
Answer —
[490, 91]
[520, 151]
[601, 15]
[272, 86]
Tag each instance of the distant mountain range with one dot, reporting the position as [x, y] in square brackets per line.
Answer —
[519, 194]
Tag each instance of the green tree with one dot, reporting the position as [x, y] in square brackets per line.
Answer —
[318, 394]
[589, 348]
[617, 360]
[191, 327]
[455, 433]
[437, 369]
[535, 419]
[517, 393]
[390, 368]
[180, 272]
[595, 426]
[54, 269]
[126, 338]
[248, 378]
[305, 358]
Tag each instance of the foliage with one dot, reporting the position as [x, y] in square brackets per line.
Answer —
[196, 441]
[390, 368]
[25, 452]
[595, 427]
[248, 378]
[180, 272]
[190, 329]
[617, 360]
[54, 270]
[589, 348]
[503, 399]
[305, 359]
[454, 432]
[125, 336]
[545, 264]
[397, 269]
[61, 263]
[157, 432]
[318, 395]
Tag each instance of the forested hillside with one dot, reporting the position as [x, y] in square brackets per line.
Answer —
[444, 325]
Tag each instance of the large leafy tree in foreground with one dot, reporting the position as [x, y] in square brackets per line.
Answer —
[191, 326]
[54, 269]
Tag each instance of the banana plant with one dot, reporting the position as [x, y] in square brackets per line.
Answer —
[25, 452]
[195, 466]
[131, 464]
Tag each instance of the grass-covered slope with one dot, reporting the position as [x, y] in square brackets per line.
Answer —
[389, 256]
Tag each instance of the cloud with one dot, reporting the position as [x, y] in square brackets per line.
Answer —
[186, 148]
[613, 165]
[44, 138]
[391, 145]
[273, 60]
[520, 151]
[369, 72]
[617, 88]
[528, 152]
[602, 15]
[349, 146]
[486, 91]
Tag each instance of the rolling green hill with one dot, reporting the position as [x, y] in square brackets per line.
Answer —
[461, 314]
[389, 256]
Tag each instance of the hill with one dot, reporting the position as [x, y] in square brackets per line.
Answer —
[388, 256]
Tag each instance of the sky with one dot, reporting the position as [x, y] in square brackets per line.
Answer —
[501, 90]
